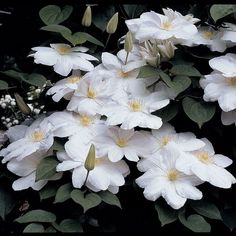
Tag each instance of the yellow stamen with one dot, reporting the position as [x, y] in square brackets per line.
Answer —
[167, 25]
[172, 174]
[38, 136]
[232, 80]
[165, 140]
[122, 74]
[63, 49]
[91, 93]
[204, 157]
[121, 142]
[135, 106]
[208, 34]
[73, 79]
[85, 120]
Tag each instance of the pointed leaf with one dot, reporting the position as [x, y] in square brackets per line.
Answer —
[63, 193]
[3, 85]
[56, 28]
[110, 198]
[70, 226]
[180, 83]
[148, 72]
[34, 228]
[219, 11]
[47, 192]
[186, 70]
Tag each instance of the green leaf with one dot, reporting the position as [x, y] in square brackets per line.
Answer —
[166, 214]
[50, 229]
[148, 72]
[37, 216]
[206, 209]
[219, 11]
[199, 112]
[3, 85]
[134, 10]
[167, 113]
[180, 83]
[102, 16]
[186, 70]
[110, 198]
[46, 168]
[47, 192]
[195, 222]
[56, 28]
[58, 146]
[166, 78]
[7, 202]
[63, 193]
[87, 201]
[34, 228]
[53, 14]
[36, 79]
[229, 218]
[70, 226]
[14, 74]
[91, 39]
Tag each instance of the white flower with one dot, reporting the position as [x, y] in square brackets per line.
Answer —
[26, 169]
[152, 25]
[163, 179]
[64, 58]
[207, 166]
[69, 123]
[116, 143]
[229, 33]
[228, 118]
[220, 85]
[38, 137]
[65, 87]
[106, 175]
[93, 92]
[167, 138]
[132, 111]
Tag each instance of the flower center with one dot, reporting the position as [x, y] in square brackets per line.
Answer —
[208, 34]
[85, 120]
[172, 174]
[204, 157]
[63, 49]
[91, 93]
[122, 74]
[232, 80]
[165, 140]
[38, 136]
[73, 79]
[135, 106]
[167, 25]
[121, 142]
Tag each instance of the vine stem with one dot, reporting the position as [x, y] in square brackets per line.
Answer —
[86, 178]
[108, 38]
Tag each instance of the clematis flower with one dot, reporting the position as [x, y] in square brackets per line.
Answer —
[207, 166]
[228, 118]
[152, 25]
[65, 87]
[163, 179]
[220, 85]
[131, 111]
[106, 175]
[38, 137]
[229, 33]
[116, 143]
[64, 58]
[26, 169]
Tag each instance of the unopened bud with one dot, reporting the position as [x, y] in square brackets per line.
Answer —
[167, 50]
[22, 105]
[128, 42]
[90, 160]
[87, 17]
[112, 24]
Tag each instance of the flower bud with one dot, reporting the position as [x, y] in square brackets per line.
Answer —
[22, 105]
[90, 160]
[167, 50]
[87, 17]
[128, 42]
[112, 24]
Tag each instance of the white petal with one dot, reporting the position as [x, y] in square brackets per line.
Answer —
[78, 176]
[222, 161]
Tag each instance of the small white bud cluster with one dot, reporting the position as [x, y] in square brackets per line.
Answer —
[9, 121]
[36, 108]
[7, 101]
[34, 92]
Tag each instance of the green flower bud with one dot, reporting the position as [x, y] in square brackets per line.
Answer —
[112, 24]
[87, 17]
[90, 160]
[22, 105]
[128, 42]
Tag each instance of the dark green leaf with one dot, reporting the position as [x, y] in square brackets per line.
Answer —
[50, 229]
[229, 218]
[198, 111]
[110, 198]
[58, 146]
[70, 226]
[47, 192]
[86, 201]
[168, 113]
[63, 193]
[36, 216]
[36, 80]
[53, 14]
[56, 28]
[46, 168]
[206, 209]
[91, 39]
[219, 11]
[166, 78]
[3, 85]
[186, 70]
[148, 72]
[180, 83]
[195, 222]
[134, 10]
[34, 228]
[166, 214]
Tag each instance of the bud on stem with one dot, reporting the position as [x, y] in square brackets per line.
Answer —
[22, 105]
[87, 17]
[90, 160]
[112, 24]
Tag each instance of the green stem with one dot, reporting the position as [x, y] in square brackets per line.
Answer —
[86, 178]
[126, 59]
[108, 38]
